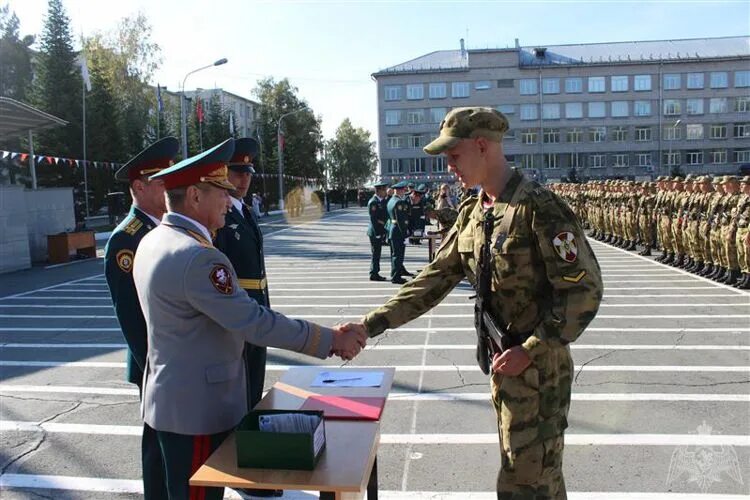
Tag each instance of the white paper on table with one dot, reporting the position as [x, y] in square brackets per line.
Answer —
[346, 378]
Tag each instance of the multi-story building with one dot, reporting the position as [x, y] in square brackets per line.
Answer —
[629, 109]
[242, 109]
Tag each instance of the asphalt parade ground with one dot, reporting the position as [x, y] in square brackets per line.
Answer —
[661, 397]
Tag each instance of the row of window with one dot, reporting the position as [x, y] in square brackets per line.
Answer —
[575, 110]
[692, 131]
[601, 160]
[415, 165]
[571, 85]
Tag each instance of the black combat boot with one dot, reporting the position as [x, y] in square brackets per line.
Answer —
[670, 258]
[707, 270]
[731, 277]
[744, 284]
[698, 267]
[687, 263]
[633, 246]
[646, 252]
[719, 276]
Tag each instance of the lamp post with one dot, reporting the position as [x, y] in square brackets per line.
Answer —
[183, 114]
[281, 155]
[674, 128]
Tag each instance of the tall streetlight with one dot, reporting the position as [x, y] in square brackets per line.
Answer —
[674, 135]
[281, 155]
[183, 114]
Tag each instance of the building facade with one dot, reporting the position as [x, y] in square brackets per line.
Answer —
[629, 109]
[242, 109]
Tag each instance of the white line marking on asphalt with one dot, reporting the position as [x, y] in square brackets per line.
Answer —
[69, 329]
[413, 396]
[110, 485]
[50, 287]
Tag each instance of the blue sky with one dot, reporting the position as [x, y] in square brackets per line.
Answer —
[329, 49]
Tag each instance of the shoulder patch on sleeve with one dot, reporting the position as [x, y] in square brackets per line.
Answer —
[221, 279]
[565, 246]
[124, 260]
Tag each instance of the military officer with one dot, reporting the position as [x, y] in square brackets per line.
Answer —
[417, 217]
[378, 211]
[199, 319]
[546, 288]
[145, 214]
[398, 227]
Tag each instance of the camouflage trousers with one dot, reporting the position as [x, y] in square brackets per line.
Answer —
[665, 223]
[695, 245]
[729, 247]
[705, 239]
[743, 253]
[532, 412]
[646, 230]
[717, 249]
[677, 236]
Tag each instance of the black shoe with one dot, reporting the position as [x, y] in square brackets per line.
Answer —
[708, 269]
[732, 276]
[646, 252]
[698, 268]
[249, 494]
[744, 284]
[407, 273]
[398, 281]
[377, 277]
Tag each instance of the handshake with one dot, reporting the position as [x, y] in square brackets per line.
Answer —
[348, 340]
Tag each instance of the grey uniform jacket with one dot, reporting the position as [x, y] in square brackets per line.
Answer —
[198, 320]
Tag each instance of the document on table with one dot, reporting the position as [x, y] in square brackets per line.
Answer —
[347, 378]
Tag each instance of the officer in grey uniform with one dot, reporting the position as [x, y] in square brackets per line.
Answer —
[199, 319]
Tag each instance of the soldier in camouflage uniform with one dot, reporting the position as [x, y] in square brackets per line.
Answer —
[742, 238]
[714, 229]
[546, 288]
[729, 230]
[704, 228]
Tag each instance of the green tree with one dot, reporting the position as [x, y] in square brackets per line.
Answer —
[303, 139]
[15, 57]
[351, 157]
[216, 126]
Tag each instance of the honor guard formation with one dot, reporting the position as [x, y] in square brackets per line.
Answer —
[700, 223]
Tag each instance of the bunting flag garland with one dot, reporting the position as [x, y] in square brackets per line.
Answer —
[56, 160]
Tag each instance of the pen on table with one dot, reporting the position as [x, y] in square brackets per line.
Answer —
[333, 380]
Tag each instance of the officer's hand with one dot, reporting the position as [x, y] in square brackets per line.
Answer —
[348, 340]
[511, 362]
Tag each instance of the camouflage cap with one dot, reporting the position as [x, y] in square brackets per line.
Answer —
[467, 123]
[729, 178]
[746, 179]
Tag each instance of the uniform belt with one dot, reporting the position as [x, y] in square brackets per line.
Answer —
[251, 284]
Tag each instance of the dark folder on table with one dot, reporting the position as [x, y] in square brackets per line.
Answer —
[346, 407]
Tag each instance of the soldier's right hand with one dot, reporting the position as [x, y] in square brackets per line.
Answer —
[348, 340]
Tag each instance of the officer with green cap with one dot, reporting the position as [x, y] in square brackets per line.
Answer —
[397, 227]
[541, 287]
[378, 212]
[417, 217]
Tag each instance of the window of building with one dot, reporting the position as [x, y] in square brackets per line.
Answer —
[505, 83]
[642, 108]
[507, 109]
[742, 104]
[718, 156]
[573, 110]
[742, 156]
[694, 157]
[671, 133]
[417, 165]
[418, 140]
[742, 79]
[620, 160]
[437, 114]
[641, 83]
[438, 164]
[529, 112]
[643, 159]
[551, 86]
[460, 89]
[596, 84]
[550, 160]
[719, 80]
[415, 116]
[619, 83]
[415, 91]
[718, 105]
[395, 166]
[672, 158]
[694, 131]
[619, 134]
[718, 132]
[695, 80]
[393, 117]
[392, 92]
[573, 85]
[694, 106]
[551, 111]
[642, 134]
[395, 142]
[574, 135]
[551, 136]
[619, 109]
[672, 81]
[528, 86]
[527, 161]
[482, 85]
[672, 107]
[741, 130]
[438, 90]
[574, 160]
[528, 136]
[510, 135]
[597, 134]
[597, 110]
[596, 161]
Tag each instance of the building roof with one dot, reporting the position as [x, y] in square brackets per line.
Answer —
[587, 53]
[19, 118]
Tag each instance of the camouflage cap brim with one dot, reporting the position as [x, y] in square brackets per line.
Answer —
[441, 144]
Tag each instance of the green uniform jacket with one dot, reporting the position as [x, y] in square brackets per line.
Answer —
[398, 219]
[118, 270]
[378, 217]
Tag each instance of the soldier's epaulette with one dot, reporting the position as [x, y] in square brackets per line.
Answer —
[200, 239]
[133, 226]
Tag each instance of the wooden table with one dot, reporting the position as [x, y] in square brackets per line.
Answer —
[59, 246]
[348, 466]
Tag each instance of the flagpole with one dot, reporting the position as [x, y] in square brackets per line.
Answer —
[85, 169]
[158, 112]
